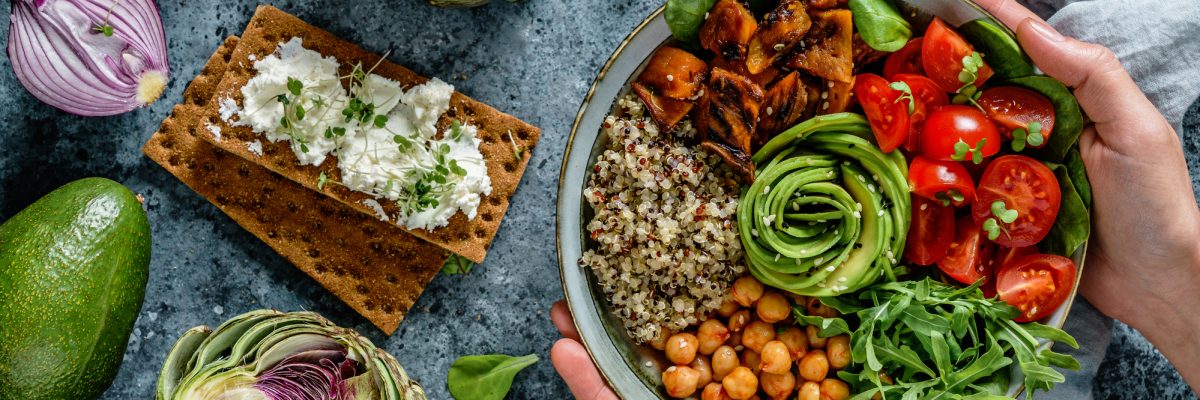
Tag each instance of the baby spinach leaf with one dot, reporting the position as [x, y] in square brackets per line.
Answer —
[685, 17]
[999, 49]
[1068, 119]
[485, 377]
[880, 25]
[1074, 222]
[1075, 167]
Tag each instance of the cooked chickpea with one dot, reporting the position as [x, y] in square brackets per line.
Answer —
[728, 307]
[724, 360]
[815, 307]
[814, 340]
[772, 307]
[757, 334]
[833, 389]
[659, 342]
[714, 391]
[680, 381]
[747, 290]
[735, 341]
[712, 334]
[838, 351]
[704, 367]
[741, 383]
[810, 391]
[681, 348]
[778, 386]
[776, 358]
[795, 339]
[752, 360]
[814, 366]
[739, 320]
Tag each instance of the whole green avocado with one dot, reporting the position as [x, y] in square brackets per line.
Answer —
[73, 270]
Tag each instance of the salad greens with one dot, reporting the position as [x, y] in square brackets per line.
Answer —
[999, 49]
[457, 265]
[880, 25]
[937, 341]
[1074, 223]
[685, 17]
[1068, 119]
[485, 377]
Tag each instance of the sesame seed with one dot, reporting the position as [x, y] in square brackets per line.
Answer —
[779, 47]
[825, 105]
[842, 279]
[670, 78]
[857, 214]
[770, 111]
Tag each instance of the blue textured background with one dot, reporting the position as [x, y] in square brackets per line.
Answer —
[534, 60]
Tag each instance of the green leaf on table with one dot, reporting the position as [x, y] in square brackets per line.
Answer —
[485, 377]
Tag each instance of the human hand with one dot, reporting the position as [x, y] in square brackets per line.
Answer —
[1143, 261]
[572, 361]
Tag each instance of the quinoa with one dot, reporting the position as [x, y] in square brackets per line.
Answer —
[666, 247]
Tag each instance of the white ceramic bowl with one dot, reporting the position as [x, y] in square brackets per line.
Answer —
[634, 371]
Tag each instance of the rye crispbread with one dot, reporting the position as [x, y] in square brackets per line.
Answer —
[469, 238]
[375, 267]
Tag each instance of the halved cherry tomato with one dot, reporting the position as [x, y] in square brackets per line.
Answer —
[928, 97]
[907, 60]
[932, 225]
[1004, 256]
[949, 125]
[1014, 107]
[941, 181]
[889, 118]
[1026, 186]
[1036, 284]
[967, 260]
[942, 53]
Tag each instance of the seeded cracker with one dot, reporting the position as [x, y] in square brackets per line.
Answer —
[469, 238]
[375, 267]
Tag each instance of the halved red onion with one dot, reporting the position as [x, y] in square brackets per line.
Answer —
[65, 56]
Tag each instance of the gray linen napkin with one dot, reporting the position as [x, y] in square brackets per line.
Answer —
[1158, 42]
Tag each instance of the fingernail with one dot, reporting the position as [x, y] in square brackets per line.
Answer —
[1044, 30]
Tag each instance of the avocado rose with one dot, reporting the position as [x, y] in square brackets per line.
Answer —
[828, 211]
[271, 355]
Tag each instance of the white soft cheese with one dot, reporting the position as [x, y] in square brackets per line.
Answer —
[369, 157]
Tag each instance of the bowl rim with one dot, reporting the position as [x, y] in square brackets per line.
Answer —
[1080, 254]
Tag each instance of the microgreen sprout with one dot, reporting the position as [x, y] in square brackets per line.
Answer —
[962, 150]
[905, 94]
[106, 28]
[1031, 134]
[1001, 212]
[293, 111]
[951, 196]
[322, 180]
[518, 151]
[969, 93]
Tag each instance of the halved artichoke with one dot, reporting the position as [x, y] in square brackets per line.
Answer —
[271, 355]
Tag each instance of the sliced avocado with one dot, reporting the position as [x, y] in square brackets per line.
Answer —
[872, 239]
[999, 49]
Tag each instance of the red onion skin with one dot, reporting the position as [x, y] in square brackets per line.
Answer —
[60, 57]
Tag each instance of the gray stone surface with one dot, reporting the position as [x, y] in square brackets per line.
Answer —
[534, 59]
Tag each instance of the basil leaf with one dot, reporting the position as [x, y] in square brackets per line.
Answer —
[1068, 119]
[880, 25]
[685, 17]
[1074, 222]
[485, 377]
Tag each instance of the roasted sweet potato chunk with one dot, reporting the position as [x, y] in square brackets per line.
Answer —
[762, 79]
[674, 73]
[836, 97]
[827, 50]
[665, 111]
[864, 55]
[728, 29]
[727, 117]
[780, 30]
[783, 105]
[827, 4]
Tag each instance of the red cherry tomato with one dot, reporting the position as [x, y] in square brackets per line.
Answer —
[942, 53]
[941, 181]
[889, 118]
[1036, 284]
[907, 60]
[949, 125]
[1003, 256]
[1014, 107]
[928, 97]
[932, 225]
[1023, 185]
[967, 259]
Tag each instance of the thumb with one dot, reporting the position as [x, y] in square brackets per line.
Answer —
[575, 366]
[1105, 91]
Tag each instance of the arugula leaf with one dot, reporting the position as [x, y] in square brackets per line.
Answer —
[485, 377]
[829, 327]
[685, 17]
[880, 25]
[457, 265]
